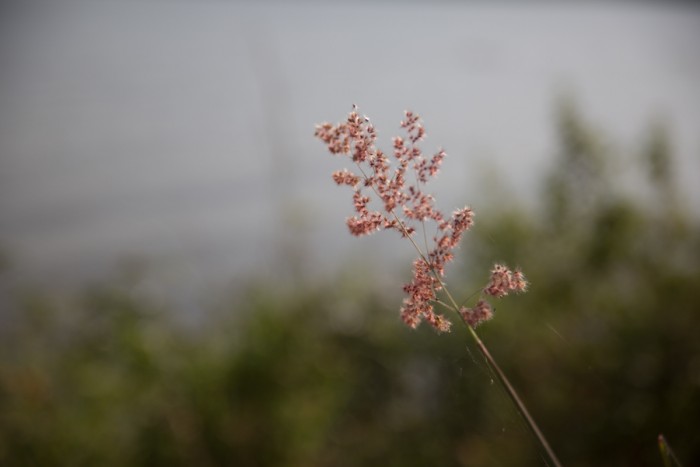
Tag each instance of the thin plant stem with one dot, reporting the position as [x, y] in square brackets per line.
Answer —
[519, 404]
[503, 379]
[667, 454]
[505, 382]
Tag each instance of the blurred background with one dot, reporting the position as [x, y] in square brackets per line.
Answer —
[177, 285]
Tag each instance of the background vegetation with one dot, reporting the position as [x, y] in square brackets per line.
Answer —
[604, 349]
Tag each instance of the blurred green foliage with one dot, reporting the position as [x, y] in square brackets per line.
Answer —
[604, 349]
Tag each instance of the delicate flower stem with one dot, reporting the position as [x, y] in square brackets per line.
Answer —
[515, 398]
[667, 454]
[512, 393]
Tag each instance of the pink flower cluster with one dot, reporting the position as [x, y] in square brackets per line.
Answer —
[502, 282]
[404, 206]
[476, 315]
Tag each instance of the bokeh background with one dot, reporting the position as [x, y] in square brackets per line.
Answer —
[177, 286]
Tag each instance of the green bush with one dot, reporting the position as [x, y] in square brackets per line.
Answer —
[603, 348]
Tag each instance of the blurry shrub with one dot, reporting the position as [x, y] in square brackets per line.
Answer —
[603, 348]
[111, 382]
[605, 343]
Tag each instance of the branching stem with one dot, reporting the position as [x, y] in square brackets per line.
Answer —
[503, 379]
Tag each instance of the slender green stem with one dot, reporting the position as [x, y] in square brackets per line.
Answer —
[516, 399]
[667, 454]
[505, 382]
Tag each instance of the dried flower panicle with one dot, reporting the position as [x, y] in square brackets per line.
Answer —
[503, 281]
[476, 315]
[405, 206]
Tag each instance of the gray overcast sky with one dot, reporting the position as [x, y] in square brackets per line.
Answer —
[184, 129]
